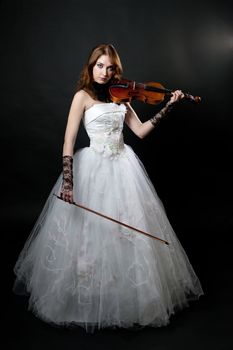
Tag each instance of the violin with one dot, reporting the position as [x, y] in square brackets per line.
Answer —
[152, 93]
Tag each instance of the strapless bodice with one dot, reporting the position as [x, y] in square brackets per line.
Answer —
[104, 124]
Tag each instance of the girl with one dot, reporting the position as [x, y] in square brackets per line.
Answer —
[81, 269]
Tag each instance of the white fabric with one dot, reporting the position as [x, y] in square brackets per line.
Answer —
[85, 270]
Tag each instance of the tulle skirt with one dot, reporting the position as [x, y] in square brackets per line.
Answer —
[81, 269]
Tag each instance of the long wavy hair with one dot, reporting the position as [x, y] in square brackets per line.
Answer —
[86, 76]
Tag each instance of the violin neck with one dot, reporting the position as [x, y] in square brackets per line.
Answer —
[195, 99]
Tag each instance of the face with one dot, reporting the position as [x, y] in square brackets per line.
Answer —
[103, 70]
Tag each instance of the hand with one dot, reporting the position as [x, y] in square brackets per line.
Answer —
[66, 195]
[176, 96]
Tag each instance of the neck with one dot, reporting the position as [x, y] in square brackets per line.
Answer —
[101, 91]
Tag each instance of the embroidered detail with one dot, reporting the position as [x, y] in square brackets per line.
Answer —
[108, 144]
[104, 127]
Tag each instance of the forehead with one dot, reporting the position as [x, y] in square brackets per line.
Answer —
[105, 59]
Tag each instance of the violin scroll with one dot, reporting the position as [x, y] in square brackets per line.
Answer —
[195, 99]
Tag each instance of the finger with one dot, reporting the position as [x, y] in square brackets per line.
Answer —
[175, 96]
[179, 94]
[71, 197]
[66, 197]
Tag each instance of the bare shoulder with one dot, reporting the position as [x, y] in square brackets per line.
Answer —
[127, 105]
[129, 108]
[83, 99]
[80, 97]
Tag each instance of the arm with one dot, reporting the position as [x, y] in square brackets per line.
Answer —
[73, 122]
[75, 115]
[143, 129]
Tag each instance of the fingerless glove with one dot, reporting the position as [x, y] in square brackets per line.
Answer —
[156, 119]
[67, 183]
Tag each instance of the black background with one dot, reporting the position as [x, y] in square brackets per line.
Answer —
[183, 45]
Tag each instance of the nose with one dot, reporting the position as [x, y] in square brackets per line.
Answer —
[105, 71]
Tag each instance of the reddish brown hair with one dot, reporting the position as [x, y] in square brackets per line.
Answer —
[86, 76]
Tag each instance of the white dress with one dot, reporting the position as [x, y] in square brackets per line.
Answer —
[82, 269]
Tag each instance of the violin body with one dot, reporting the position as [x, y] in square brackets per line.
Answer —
[152, 93]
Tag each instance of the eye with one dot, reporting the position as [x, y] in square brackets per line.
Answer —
[100, 65]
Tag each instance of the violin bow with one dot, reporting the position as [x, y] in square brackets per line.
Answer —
[114, 220]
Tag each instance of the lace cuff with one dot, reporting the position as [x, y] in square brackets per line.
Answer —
[156, 119]
[67, 184]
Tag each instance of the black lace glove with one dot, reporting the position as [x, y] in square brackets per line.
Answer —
[67, 180]
[156, 119]
[176, 96]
